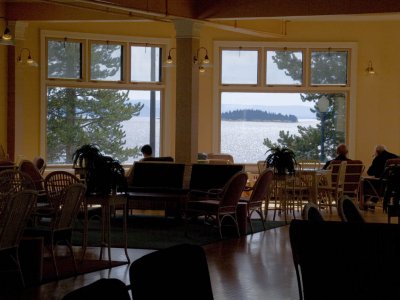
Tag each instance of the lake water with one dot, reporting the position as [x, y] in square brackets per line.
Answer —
[244, 140]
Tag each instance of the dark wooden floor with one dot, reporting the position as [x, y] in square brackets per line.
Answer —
[252, 267]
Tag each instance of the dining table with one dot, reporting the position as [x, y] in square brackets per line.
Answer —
[312, 178]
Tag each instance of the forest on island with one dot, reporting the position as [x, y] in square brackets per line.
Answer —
[257, 116]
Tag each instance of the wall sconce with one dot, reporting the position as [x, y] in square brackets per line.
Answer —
[169, 62]
[197, 60]
[169, 58]
[370, 69]
[29, 60]
[6, 37]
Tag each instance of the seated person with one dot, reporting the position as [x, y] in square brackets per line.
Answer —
[378, 163]
[341, 152]
[147, 151]
[373, 189]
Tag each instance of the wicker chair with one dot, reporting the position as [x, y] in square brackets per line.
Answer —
[311, 212]
[62, 219]
[13, 220]
[27, 166]
[221, 203]
[348, 210]
[55, 184]
[40, 164]
[258, 196]
[331, 192]
[13, 181]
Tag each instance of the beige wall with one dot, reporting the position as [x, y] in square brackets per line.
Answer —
[378, 98]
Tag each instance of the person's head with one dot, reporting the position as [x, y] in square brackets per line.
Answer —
[379, 149]
[146, 150]
[342, 150]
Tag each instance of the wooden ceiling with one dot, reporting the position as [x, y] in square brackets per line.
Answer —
[202, 10]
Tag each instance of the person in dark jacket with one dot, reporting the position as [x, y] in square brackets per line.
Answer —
[374, 188]
[378, 163]
[341, 152]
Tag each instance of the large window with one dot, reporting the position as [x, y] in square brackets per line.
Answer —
[91, 99]
[301, 101]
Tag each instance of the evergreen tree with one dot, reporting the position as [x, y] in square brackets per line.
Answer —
[327, 69]
[78, 116]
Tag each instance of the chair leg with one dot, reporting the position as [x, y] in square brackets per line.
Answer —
[73, 255]
[53, 256]
[261, 217]
[219, 225]
[21, 275]
[125, 231]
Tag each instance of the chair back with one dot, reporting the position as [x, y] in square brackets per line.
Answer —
[392, 161]
[223, 156]
[67, 211]
[205, 176]
[13, 181]
[152, 175]
[261, 166]
[311, 212]
[348, 210]
[218, 161]
[345, 260]
[338, 172]
[232, 192]
[150, 275]
[55, 184]
[40, 164]
[160, 158]
[309, 164]
[261, 188]
[29, 167]
[352, 180]
[15, 216]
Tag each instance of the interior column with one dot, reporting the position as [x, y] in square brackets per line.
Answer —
[187, 92]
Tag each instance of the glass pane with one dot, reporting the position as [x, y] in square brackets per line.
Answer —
[64, 59]
[106, 62]
[118, 121]
[329, 67]
[284, 67]
[239, 67]
[251, 123]
[145, 64]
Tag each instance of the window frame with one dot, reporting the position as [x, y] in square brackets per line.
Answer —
[304, 62]
[348, 69]
[83, 72]
[163, 86]
[124, 58]
[163, 51]
[349, 90]
[259, 57]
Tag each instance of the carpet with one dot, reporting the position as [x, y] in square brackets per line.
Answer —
[157, 232]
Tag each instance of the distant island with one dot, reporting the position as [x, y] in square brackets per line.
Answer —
[257, 116]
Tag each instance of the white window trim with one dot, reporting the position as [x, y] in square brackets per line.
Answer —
[350, 91]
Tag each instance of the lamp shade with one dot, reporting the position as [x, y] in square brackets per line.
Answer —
[323, 104]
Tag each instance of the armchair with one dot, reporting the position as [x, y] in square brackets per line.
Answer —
[220, 204]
